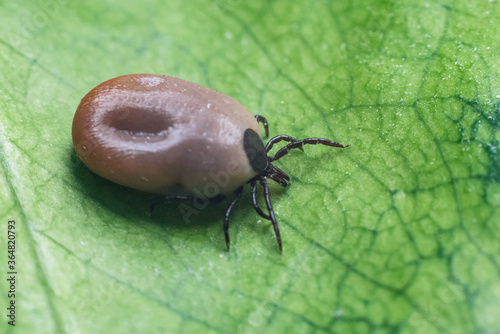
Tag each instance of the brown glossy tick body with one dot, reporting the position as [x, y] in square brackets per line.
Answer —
[173, 137]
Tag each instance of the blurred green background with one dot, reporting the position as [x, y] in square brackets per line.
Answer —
[398, 234]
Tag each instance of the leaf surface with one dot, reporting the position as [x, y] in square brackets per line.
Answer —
[398, 233]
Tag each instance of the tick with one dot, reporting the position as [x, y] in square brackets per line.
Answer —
[172, 137]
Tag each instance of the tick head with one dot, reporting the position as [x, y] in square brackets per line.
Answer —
[255, 151]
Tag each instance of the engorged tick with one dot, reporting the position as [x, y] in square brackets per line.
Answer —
[173, 137]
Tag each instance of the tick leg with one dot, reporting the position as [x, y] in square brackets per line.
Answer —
[299, 143]
[279, 138]
[263, 120]
[255, 203]
[238, 193]
[162, 199]
[263, 182]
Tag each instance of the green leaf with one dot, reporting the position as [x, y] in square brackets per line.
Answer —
[398, 233]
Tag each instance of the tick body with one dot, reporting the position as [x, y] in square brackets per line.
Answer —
[173, 137]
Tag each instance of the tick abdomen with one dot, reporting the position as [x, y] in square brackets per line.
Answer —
[164, 135]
